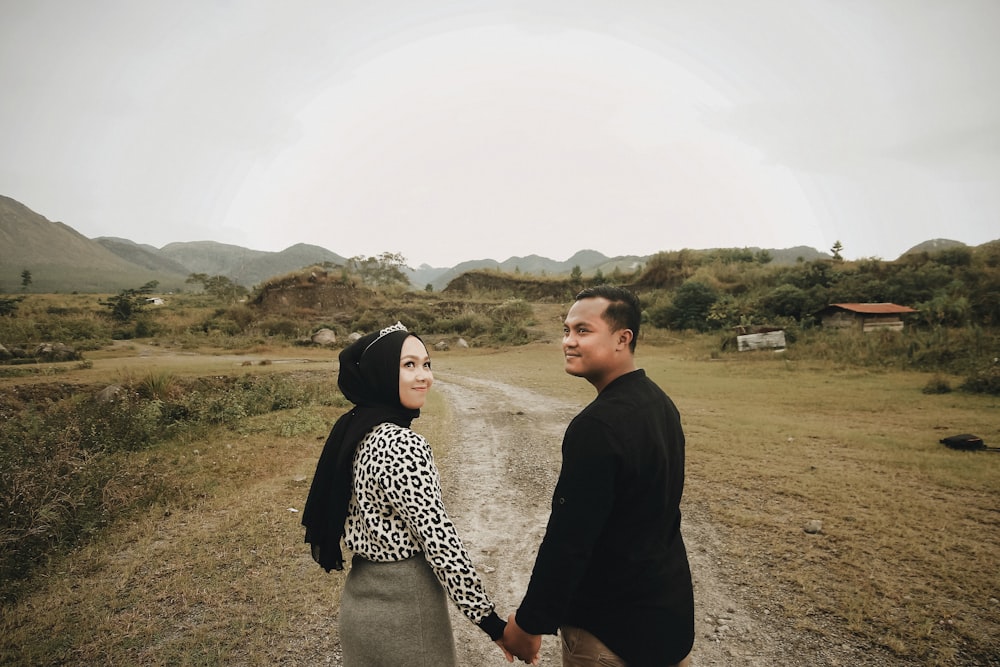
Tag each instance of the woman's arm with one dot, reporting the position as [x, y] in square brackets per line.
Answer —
[413, 486]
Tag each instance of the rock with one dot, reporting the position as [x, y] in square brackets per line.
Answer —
[324, 337]
[813, 527]
[461, 343]
[441, 345]
[5, 354]
[54, 352]
[109, 393]
[354, 336]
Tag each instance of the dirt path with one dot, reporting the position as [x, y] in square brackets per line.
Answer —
[498, 482]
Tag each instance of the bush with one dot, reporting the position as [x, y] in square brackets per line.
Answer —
[512, 311]
[468, 323]
[66, 466]
[937, 385]
[283, 328]
[984, 381]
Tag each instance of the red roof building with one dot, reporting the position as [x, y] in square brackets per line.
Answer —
[865, 316]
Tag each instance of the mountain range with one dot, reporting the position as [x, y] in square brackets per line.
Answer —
[60, 259]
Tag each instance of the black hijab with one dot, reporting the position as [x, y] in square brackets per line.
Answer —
[368, 378]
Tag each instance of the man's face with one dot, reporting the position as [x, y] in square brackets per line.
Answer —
[589, 344]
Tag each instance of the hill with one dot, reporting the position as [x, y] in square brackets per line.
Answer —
[142, 255]
[589, 261]
[934, 245]
[60, 259]
[245, 266]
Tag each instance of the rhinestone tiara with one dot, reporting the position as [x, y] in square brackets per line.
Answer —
[398, 326]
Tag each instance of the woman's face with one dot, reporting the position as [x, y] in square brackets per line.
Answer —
[415, 377]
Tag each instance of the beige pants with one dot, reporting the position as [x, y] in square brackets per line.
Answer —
[582, 649]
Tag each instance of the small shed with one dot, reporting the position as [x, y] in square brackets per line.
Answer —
[865, 316]
[759, 338]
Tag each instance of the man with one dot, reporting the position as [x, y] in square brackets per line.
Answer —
[612, 574]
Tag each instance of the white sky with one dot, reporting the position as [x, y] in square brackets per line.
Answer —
[450, 131]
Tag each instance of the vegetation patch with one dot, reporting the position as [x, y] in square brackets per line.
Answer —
[67, 452]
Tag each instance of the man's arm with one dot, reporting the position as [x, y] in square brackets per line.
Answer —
[583, 499]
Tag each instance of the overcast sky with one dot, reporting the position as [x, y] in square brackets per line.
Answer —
[450, 131]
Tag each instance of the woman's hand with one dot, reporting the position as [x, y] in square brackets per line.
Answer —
[506, 653]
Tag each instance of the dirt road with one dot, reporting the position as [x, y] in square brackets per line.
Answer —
[498, 481]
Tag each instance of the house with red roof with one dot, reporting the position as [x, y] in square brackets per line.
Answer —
[865, 316]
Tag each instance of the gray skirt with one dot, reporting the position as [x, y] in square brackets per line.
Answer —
[395, 615]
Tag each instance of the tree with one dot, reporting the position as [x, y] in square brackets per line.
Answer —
[197, 279]
[692, 304]
[836, 250]
[220, 287]
[382, 271]
[576, 275]
[25, 279]
[125, 305]
[224, 289]
[786, 301]
[9, 306]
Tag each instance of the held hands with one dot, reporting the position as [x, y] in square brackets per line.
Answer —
[506, 653]
[518, 643]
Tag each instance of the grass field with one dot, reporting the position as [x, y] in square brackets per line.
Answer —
[907, 557]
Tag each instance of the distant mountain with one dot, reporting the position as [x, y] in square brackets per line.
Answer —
[290, 259]
[142, 255]
[589, 262]
[242, 265]
[212, 258]
[60, 259]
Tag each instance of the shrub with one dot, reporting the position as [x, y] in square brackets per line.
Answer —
[984, 381]
[512, 311]
[467, 323]
[65, 460]
[279, 327]
[937, 385]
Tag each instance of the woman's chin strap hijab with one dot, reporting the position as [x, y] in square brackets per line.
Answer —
[368, 378]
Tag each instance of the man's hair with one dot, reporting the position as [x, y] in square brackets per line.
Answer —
[623, 311]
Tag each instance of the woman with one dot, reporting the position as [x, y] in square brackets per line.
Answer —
[376, 486]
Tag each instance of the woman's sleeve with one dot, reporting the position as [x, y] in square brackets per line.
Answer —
[414, 488]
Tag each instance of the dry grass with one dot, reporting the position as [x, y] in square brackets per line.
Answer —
[909, 548]
[216, 576]
[907, 556]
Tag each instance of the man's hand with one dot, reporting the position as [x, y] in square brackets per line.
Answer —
[519, 643]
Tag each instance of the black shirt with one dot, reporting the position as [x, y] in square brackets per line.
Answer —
[613, 561]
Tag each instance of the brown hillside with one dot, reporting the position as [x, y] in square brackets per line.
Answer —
[499, 285]
[318, 296]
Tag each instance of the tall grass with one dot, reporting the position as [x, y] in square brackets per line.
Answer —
[66, 464]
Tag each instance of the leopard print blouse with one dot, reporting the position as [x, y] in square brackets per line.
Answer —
[396, 512]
